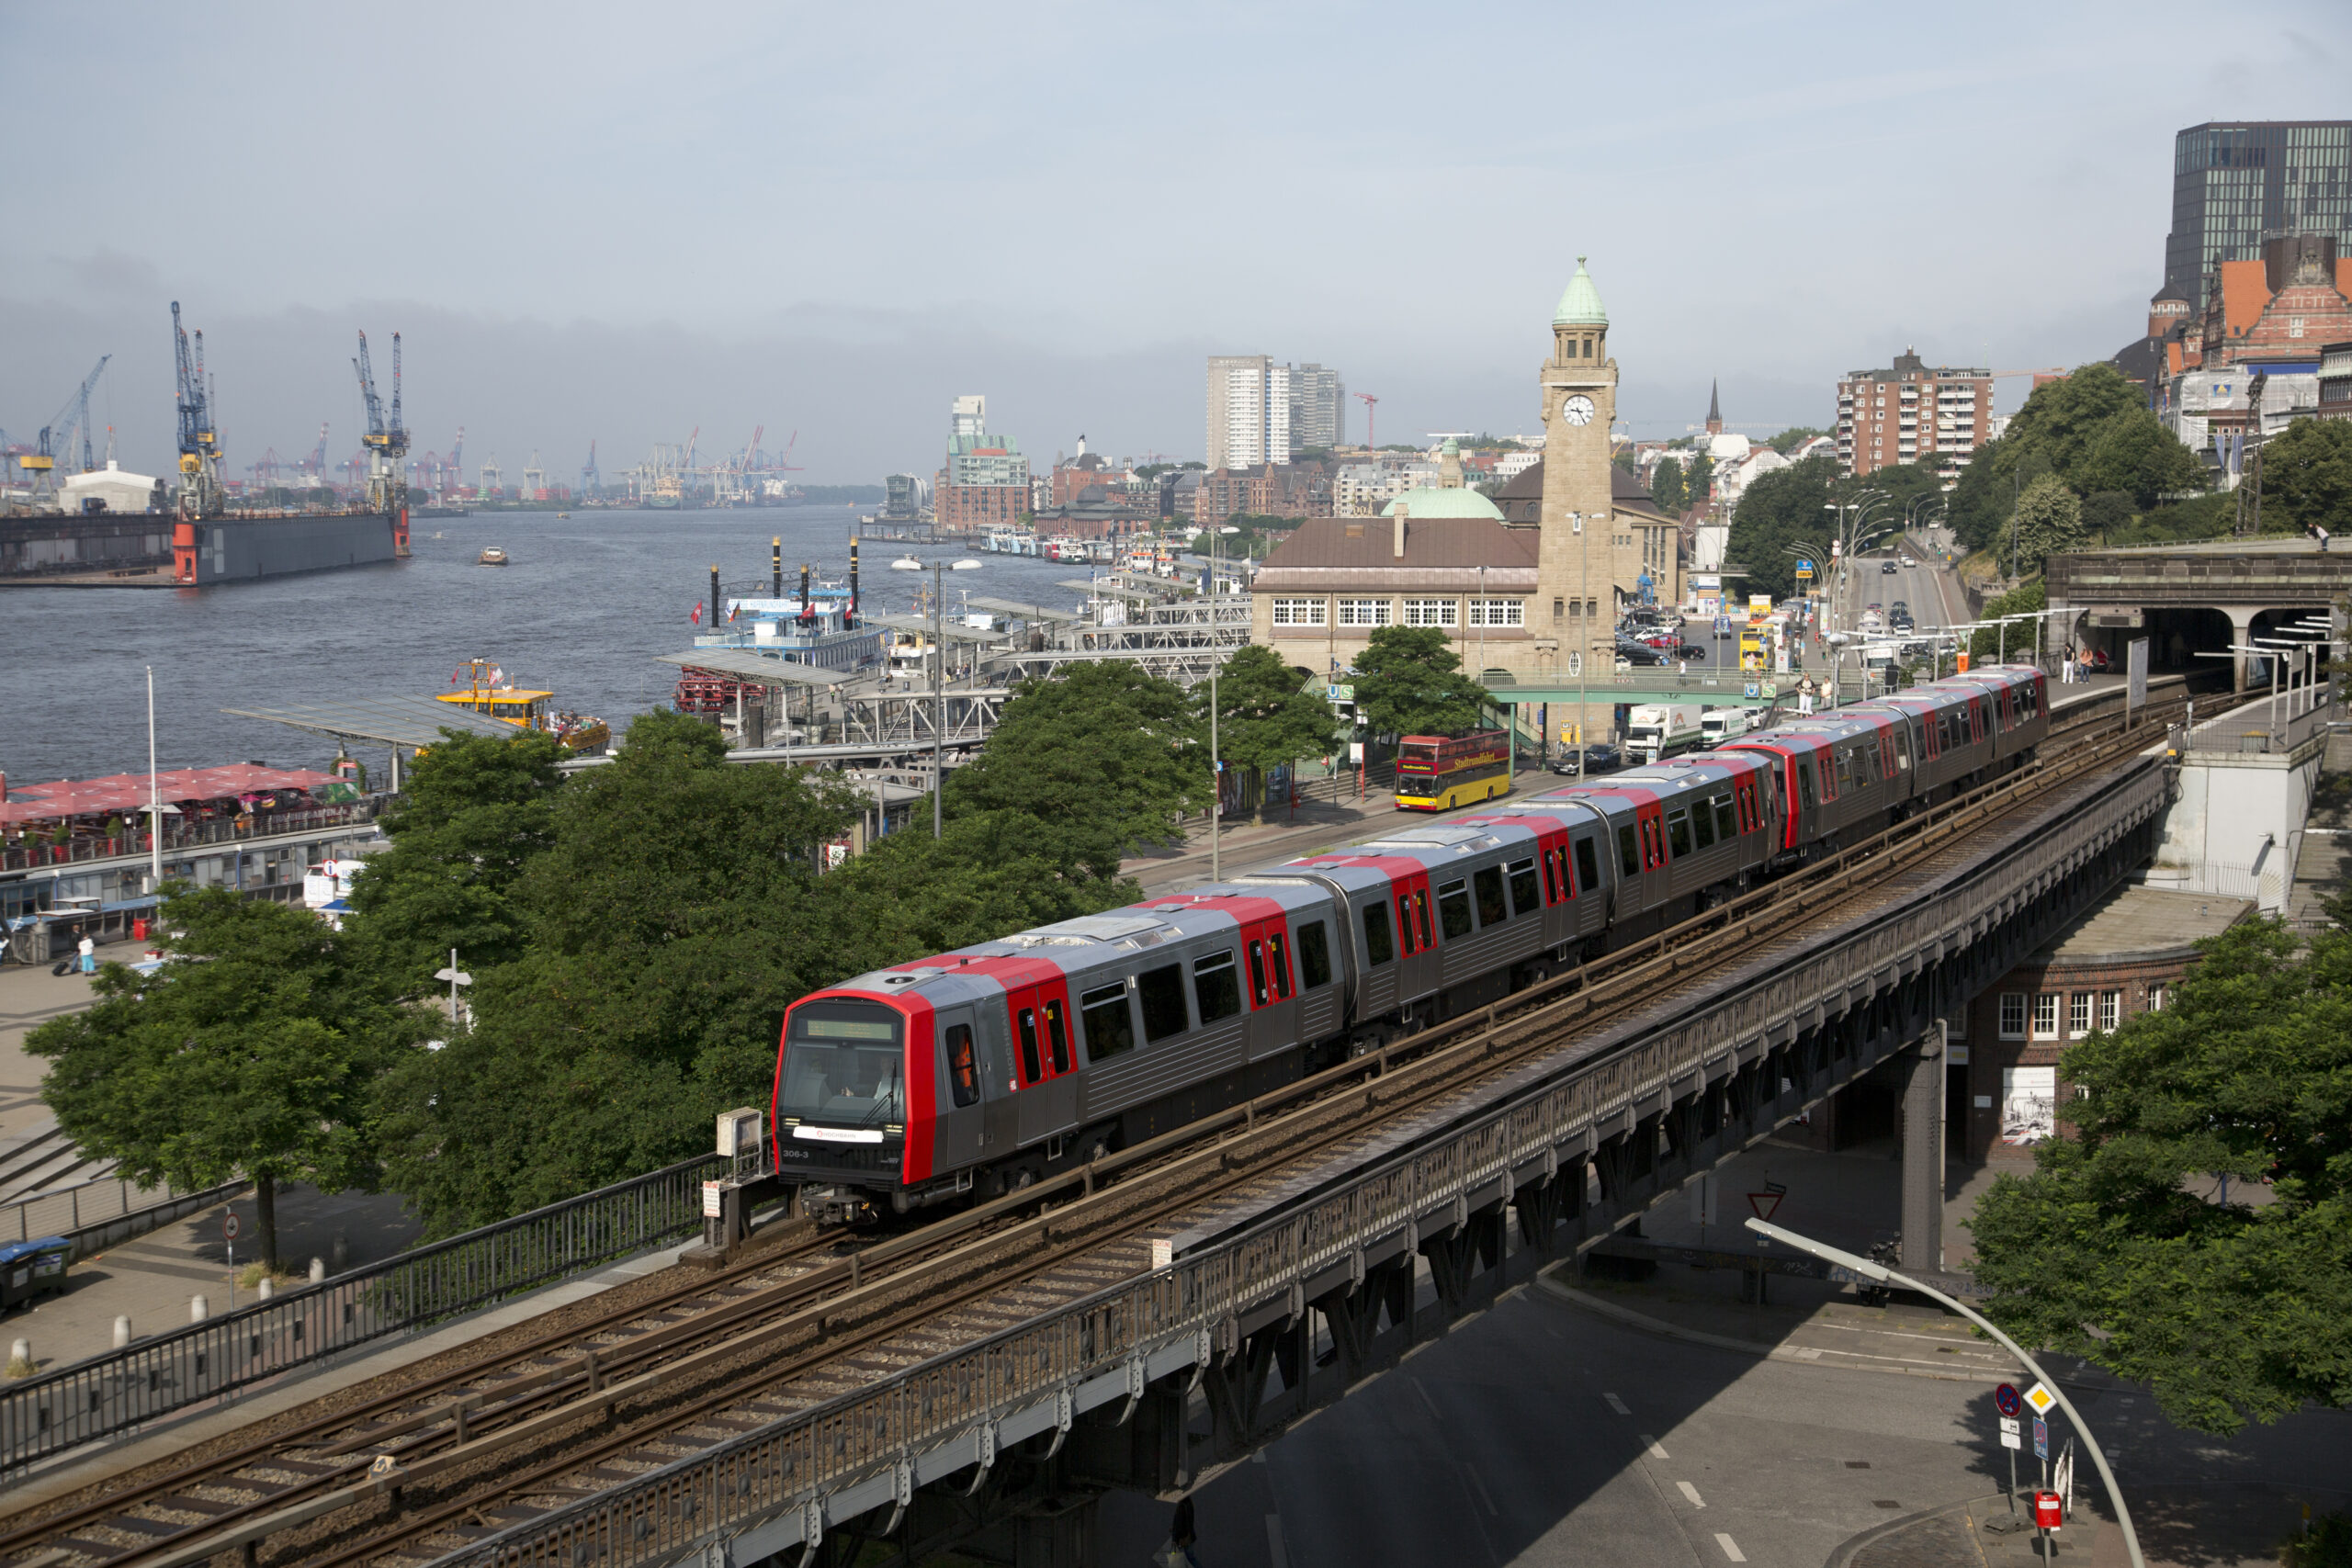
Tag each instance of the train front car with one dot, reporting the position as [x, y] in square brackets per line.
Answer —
[859, 1086]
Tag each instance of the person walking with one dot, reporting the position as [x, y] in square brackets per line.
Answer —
[1182, 1536]
[89, 952]
[1804, 697]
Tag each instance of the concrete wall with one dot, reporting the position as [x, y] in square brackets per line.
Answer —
[2236, 823]
[228, 549]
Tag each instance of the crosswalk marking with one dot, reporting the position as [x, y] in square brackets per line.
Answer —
[1693, 1492]
[1731, 1548]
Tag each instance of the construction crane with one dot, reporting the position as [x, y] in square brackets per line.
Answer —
[201, 494]
[57, 435]
[589, 480]
[1371, 403]
[317, 466]
[386, 442]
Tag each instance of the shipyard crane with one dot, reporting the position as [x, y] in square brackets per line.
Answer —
[589, 480]
[1371, 403]
[386, 443]
[57, 435]
[200, 490]
[318, 463]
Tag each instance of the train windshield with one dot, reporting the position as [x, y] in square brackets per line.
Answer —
[841, 1064]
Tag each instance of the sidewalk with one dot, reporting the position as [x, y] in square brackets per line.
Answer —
[30, 995]
[1243, 842]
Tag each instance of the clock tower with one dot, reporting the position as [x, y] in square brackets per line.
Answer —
[1574, 606]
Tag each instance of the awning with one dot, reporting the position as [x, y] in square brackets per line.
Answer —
[951, 630]
[759, 666]
[1024, 612]
[127, 792]
[403, 720]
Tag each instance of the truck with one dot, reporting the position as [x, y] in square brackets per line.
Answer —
[1662, 730]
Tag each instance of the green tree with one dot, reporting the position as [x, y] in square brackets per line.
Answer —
[1792, 438]
[2119, 1247]
[2048, 519]
[2016, 640]
[667, 925]
[2063, 419]
[2107, 513]
[2133, 453]
[1107, 752]
[1408, 680]
[250, 1054]
[2307, 477]
[1668, 489]
[1266, 717]
[1980, 500]
[1782, 511]
[989, 873]
[1906, 488]
[476, 810]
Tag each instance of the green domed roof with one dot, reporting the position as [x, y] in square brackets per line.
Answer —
[1425, 503]
[1451, 448]
[1580, 306]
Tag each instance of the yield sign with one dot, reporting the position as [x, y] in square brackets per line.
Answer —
[1766, 1202]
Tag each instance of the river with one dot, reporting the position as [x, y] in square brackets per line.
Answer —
[585, 607]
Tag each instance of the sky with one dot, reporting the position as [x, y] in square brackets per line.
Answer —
[624, 223]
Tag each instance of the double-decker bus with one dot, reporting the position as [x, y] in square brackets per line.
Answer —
[1437, 773]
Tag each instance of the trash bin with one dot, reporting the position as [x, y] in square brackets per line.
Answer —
[49, 1256]
[139, 928]
[15, 1273]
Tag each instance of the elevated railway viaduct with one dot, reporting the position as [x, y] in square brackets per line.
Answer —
[1212, 1333]
[2193, 599]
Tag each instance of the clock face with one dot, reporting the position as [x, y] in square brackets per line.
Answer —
[1577, 410]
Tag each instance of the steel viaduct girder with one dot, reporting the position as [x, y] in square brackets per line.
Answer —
[1158, 1382]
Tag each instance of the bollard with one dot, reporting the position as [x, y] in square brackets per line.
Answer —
[268, 1287]
[198, 1309]
[123, 1333]
[339, 1253]
[317, 1269]
[20, 1358]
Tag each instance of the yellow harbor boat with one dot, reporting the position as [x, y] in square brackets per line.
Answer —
[481, 685]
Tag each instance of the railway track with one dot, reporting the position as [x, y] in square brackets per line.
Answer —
[418, 1470]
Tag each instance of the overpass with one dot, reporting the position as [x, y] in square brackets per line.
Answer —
[2188, 599]
[1280, 1294]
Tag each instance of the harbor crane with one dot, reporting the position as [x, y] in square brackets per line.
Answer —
[385, 440]
[201, 493]
[589, 480]
[57, 435]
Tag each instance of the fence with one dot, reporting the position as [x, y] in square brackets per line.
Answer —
[102, 1204]
[2268, 725]
[252, 827]
[121, 1390]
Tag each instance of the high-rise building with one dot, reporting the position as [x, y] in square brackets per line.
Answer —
[1318, 407]
[986, 480]
[1249, 411]
[1912, 413]
[2236, 184]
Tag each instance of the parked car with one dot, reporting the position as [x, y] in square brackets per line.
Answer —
[1598, 759]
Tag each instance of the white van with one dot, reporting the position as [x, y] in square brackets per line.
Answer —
[1717, 725]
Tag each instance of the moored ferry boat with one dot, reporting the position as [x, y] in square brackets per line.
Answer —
[482, 686]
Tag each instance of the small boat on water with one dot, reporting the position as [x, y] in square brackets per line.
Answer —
[965, 566]
[906, 563]
[490, 555]
[481, 685]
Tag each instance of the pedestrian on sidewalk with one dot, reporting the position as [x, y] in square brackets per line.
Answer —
[89, 952]
[1182, 1536]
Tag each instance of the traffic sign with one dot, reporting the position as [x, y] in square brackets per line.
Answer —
[2041, 1438]
[1764, 1203]
[228, 1224]
[2008, 1401]
[2008, 1423]
[2010, 1437]
[2040, 1398]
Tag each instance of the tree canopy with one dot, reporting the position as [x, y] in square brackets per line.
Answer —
[2048, 519]
[2119, 1247]
[1408, 680]
[1794, 436]
[1266, 717]
[2094, 432]
[1668, 488]
[2307, 477]
[1779, 512]
[250, 1054]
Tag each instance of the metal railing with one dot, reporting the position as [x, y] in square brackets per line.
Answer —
[120, 1391]
[251, 828]
[100, 1200]
[2270, 724]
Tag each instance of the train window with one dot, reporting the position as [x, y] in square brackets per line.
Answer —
[1421, 915]
[1217, 988]
[1492, 911]
[1110, 1026]
[1526, 892]
[1278, 959]
[1257, 974]
[1161, 991]
[962, 1069]
[1404, 919]
[1727, 817]
[1902, 749]
[1453, 908]
[1587, 863]
[1313, 955]
[1804, 781]
[1057, 1037]
[1655, 833]
[1377, 947]
[1629, 854]
[1032, 1066]
[1845, 771]
[1678, 832]
[1703, 823]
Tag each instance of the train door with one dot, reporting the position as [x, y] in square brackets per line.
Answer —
[958, 1130]
[1000, 1078]
[1417, 949]
[1045, 1054]
[1270, 973]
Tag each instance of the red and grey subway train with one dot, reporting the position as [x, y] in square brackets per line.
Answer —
[979, 1070]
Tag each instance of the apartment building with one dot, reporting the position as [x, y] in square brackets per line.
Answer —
[985, 480]
[1318, 407]
[1912, 413]
[1248, 412]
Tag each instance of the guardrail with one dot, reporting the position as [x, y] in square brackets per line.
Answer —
[2264, 725]
[120, 1391]
[785, 1484]
[97, 1204]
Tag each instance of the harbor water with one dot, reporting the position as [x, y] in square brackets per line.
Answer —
[583, 609]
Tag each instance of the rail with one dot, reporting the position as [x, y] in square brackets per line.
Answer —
[2270, 724]
[125, 1389]
[252, 827]
[101, 1203]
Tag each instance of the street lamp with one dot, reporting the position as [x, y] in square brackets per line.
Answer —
[1217, 660]
[1879, 1273]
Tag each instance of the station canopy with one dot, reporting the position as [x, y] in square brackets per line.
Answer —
[1117, 589]
[764, 667]
[952, 630]
[403, 720]
[128, 792]
[1023, 612]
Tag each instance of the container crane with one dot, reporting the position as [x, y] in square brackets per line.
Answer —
[57, 435]
[201, 494]
[386, 443]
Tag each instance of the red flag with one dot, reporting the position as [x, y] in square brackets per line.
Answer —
[696, 616]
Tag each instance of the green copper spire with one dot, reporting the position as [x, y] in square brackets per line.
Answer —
[1580, 306]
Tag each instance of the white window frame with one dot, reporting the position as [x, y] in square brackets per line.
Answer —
[2111, 1011]
[1367, 612]
[2157, 999]
[1443, 613]
[2045, 1015]
[1302, 611]
[1497, 612]
[2012, 1015]
[2079, 1014]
